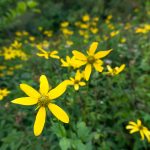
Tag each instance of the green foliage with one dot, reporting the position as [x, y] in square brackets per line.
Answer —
[99, 111]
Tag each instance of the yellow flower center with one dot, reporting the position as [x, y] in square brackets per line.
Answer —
[43, 101]
[76, 82]
[91, 59]
[141, 127]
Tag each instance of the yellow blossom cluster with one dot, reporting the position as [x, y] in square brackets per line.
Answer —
[14, 51]
[145, 29]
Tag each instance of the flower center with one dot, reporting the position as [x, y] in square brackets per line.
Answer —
[76, 81]
[141, 127]
[43, 101]
[91, 59]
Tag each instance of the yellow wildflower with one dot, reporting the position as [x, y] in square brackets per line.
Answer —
[3, 93]
[43, 99]
[86, 18]
[116, 70]
[46, 55]
[114, 33]
[138, 127]
[76, 82]
[91, 60]
[64, 24]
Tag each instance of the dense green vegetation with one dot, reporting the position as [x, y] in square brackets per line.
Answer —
[99, 111]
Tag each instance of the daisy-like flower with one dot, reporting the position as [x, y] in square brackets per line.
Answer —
[46, 55]
[43, 99]
[3, 93]
[116, 70]
[138, 127]
[91, 59]
[76, 82]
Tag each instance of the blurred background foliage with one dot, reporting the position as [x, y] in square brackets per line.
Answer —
[99, 112]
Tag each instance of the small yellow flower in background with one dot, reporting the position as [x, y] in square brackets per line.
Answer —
[86, 18]
[123, 40]
[69, 43]
[43, 99]
[48, 33]
[138, 127]
[31, 38]
[64, 24]
[76, 82]
[91, 60]
[115, 70]
[3, 93]
[70, 62]
[46, 55]
[16, 44]
[114, 33]
[94, 30]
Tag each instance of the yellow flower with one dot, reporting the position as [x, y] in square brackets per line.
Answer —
[46, 55]
[43, 99]
[91, 60]
[94, 30]
[114, 33]
[116, 70]
[3, 93]
[86, 18]
[64, 24]
[70, 62]
[76, 82]
[138, 127]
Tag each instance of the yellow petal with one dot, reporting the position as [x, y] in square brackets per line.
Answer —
[102, 54]
[132, 123]
[121, 68]
[129, 127]
[142, 134]
[93, 48]
[44, 85]
[147, 134]
[31, 92]
[87, 72]
[82, 83]
[58, 113]
[39, 121]
[76, 87]
[78, 55]
[134, 130]
[78, 75]
[98, 67]
[109, 68]
[25, 101]
[139, 122]
[59, 90]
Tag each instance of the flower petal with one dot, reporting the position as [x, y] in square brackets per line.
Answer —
[31, 92]
[44, 85]
[98, 67]
[93, 48]
[39, 121]
[59, 90]
[142, 135]
[87, 72]
[25, 101]
[58, 113]
[121, 68]
[76, 87]
[102, 54]
[78, 55]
